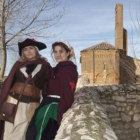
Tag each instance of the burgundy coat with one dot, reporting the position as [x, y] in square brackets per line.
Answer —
[63, 84]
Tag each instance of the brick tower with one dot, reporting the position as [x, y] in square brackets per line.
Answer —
[119, 26]
[120, 32]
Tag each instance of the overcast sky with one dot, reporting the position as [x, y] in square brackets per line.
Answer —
[90, 22]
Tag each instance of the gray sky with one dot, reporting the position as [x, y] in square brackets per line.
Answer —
[90, 22]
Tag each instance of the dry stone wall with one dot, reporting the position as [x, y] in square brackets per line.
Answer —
[86, 119]
[107, 112]
[122, 104]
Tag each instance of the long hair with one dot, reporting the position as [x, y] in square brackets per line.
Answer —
[23, 58]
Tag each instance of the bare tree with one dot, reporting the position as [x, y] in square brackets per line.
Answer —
[20, 18]
[134, 40]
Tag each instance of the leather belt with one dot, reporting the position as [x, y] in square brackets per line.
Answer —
[29, 90]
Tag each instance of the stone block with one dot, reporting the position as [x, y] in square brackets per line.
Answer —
[125, 118]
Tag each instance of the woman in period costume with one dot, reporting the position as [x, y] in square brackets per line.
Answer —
[59, 96]
[30, 64]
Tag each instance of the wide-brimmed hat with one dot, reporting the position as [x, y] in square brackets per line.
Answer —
[30, 42]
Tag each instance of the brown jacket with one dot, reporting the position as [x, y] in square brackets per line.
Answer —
[18, 74]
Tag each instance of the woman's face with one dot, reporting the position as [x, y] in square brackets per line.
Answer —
[30, 53]
[60, 54]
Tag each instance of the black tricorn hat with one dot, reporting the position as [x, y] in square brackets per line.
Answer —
[30, 42]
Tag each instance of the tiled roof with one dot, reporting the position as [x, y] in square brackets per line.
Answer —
[101, 46]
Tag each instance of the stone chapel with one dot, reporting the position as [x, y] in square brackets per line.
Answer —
[107, 64]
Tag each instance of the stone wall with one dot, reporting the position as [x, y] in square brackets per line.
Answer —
[90, 116]
[86, 119]
[122, 104]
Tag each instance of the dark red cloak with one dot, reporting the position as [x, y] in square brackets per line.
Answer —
[7, 83]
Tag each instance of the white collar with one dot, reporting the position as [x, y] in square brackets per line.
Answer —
[35, 71]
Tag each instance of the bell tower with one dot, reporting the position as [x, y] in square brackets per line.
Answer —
[120, 32]
[119, 26]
